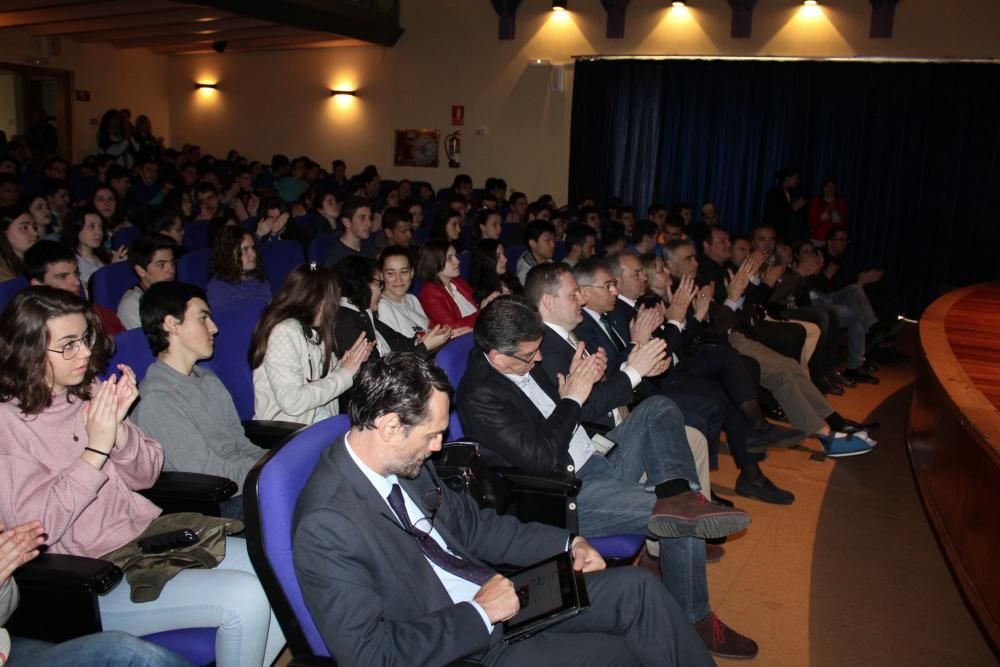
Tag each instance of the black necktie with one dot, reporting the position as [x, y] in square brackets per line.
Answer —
[612, 334]
[434, 552]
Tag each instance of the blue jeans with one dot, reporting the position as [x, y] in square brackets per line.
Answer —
[856, 315]
[651, 440]
[228, 597]
[105, 649]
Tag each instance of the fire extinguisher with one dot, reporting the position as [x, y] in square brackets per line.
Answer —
[453, 147]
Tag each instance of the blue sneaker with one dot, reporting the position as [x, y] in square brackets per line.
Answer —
[838, 445]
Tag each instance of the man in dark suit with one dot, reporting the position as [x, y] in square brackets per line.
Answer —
[694, 383]
[392, 563]
[646, 483]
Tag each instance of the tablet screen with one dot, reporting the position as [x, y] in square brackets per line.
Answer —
[544, 590]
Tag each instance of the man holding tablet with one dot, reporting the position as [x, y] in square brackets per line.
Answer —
[393, 565]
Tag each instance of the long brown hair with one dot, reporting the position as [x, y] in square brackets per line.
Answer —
[227, 264]
[24, 340]
[306, 290]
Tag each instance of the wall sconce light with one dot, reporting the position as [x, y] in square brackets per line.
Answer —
[335, 93]
[559, 5]
[810, 3]
[678, 4]
[199, 86]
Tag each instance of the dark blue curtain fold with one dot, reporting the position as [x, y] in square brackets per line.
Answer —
[915, 148]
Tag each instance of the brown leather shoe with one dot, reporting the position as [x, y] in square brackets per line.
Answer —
[714, 553]
[690, 514]
[723, 641]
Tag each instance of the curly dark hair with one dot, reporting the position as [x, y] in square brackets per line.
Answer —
[226, 262]
[24, 341]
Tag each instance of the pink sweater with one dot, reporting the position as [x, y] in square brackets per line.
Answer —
[84, 511]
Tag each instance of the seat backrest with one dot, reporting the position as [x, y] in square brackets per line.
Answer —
[196, 234]
[236, 322]
[512, 233]
[8, 288]
[125, 236]
[194, 267]
[465, 265]
[270, 493]
[279, 258]
[131, 349]
[453, 359]
[513, 254]
[109, 283]
[320, 246]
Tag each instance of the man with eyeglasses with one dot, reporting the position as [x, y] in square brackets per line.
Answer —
[395, 567]
[647, 483]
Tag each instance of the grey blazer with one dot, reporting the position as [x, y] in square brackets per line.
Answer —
[371, 591]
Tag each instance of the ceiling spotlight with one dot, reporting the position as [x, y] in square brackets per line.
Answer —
[559, 5]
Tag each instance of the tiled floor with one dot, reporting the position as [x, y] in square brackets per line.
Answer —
[850, 574]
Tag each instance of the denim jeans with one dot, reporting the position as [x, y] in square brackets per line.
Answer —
[105, 649]
[651, 440]
[855, 313]
[228, 597]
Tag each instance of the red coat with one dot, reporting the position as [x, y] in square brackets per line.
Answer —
[442, 309]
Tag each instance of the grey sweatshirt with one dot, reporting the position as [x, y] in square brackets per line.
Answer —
[195, 421]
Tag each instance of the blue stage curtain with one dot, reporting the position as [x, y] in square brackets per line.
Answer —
[915, 148]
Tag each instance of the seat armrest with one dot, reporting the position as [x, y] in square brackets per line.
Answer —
[268, 434]
[551, 483]
[593, 428]
[60, 572]
[190, 492]
[59, 596]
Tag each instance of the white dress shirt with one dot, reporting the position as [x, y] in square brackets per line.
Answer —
[459, 589]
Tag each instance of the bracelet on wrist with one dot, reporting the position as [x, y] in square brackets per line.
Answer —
[97, 451]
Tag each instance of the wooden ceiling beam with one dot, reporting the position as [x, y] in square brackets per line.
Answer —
[226, 35]
[22, 5]
[190, 29]
[86, 10]
[180, 14]
[260, 43]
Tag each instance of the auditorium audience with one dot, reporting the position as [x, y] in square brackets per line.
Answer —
[83, 232]
[356, 227]
[297, 373]
[152, 259]
[184, 406]
[446, 298]
[488, 271]
[237, 273]
[66, 436]
[54, 265]
[540, 239]
[19, 234]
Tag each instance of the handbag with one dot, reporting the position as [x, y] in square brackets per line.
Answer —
[461, 468]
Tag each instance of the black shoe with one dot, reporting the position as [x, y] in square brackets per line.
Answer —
[720, 500]
[764, 490]
[861, 374]
[837, 377]
[870, 366]
[776, 413]
[851, 427]
[827, 387]
[760, 439]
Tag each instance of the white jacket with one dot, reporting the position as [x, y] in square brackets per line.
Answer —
[288, 386]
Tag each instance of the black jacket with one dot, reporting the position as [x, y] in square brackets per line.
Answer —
[508, 426]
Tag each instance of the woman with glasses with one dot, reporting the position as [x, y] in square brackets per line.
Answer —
[237, 272]
[360, 294]
[72, 460]
[297, 375]
[447, 299]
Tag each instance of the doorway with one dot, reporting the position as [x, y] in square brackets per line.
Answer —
[35, 108]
